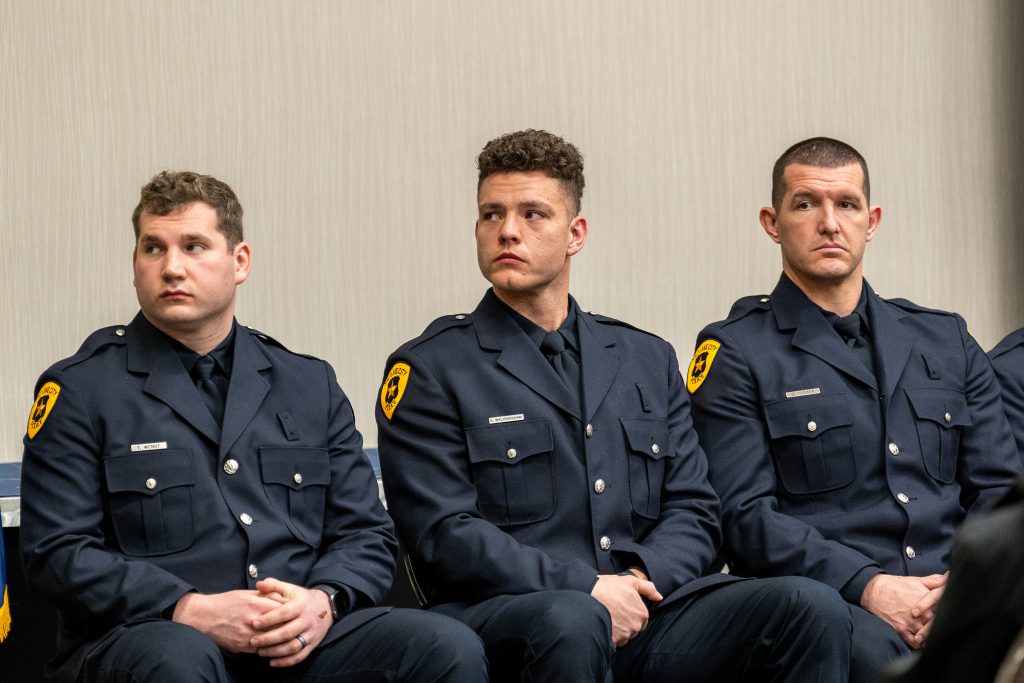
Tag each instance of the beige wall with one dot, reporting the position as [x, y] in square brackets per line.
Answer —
[349, 130]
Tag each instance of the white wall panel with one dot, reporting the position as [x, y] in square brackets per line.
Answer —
[350, 129]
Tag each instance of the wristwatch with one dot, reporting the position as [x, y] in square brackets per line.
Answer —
[333, 596]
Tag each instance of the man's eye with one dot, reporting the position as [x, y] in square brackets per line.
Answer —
[534, 215]
[151, 249]
[803, 205]
[491, 216]
[195, 246]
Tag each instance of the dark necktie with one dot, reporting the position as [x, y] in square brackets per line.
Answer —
[851, 329]
[202, 373]
[562, 360]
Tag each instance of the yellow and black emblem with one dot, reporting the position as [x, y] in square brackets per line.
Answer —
[701, 363]
[393, 388]
[41, 408]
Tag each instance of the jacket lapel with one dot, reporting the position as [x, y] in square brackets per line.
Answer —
[893, 343]
[794, 311]
[150, 354]
[496, 331]
[600, 365]
[247, 389]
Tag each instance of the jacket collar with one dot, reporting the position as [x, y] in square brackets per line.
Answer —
[150, 353]
[812, 333]
[518, 355]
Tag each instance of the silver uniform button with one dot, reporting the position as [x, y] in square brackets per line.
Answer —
[590, 430]
[246, 518]
[511, 453]
[606, 543]
[460, 317]
[655, 448]
[894, 449]
[253, 571]
[297, 478]
[230, 465]
[765, 299]
[812, 426]
[903, 498]
[911, 553]
[151, 483]
[947, 417]
[119, 332]
[599, 486]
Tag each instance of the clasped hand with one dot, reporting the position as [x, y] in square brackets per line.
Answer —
[907, 603]
[623, 597]
[264, 621]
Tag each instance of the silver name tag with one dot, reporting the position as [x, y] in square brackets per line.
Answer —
[155, 446]
[803, 392]
[505, 418]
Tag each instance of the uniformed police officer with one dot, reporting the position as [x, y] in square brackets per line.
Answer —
[195, 500]
[848, 435]
[1008, 361]
[542, 469]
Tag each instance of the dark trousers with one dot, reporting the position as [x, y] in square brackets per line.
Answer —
[784, 629]
[401, 645]
[876, 645]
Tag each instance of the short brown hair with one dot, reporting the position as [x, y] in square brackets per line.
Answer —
[170, 191]
[820, 152]
[528, 151]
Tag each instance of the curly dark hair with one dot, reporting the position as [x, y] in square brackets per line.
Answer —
[820, 152]
[170, 191]
[529, 150]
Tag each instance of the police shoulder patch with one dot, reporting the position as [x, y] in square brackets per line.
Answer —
[701, 364]
[393, 388]
[44, 403]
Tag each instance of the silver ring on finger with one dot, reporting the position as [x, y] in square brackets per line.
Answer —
[302, 641]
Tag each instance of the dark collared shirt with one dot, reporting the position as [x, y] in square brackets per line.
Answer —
[223, 355]
[536, 333]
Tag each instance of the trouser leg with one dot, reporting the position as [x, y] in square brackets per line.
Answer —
[546, 636]
[876, 645]
[159, 651]
[780, 629]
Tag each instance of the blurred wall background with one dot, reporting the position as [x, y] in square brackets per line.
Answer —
[350, 128]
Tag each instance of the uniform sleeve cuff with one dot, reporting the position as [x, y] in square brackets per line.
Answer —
[854, 588]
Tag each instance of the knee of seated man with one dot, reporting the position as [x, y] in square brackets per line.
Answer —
[572, 616]
[806, 598]
[435, 636]
[161, 651]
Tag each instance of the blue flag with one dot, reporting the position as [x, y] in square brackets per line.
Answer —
[5, 606]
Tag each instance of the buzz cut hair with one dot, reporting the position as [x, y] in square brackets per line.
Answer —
[822, 153]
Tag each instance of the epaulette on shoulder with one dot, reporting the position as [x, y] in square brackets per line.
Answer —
[267, 340]
[605, 320]
[443, 323]
[113, 335]
[748, 304]
[1009, 343]
[908, 305]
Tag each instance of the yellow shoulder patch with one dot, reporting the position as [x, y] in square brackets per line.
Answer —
[393, 388]
[41, 408]
[701, 364]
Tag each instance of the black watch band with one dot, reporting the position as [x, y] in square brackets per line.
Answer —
[332, 597]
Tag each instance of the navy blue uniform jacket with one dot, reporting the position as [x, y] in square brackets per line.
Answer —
[129, 502]
[824, 471]
[499, 485]
[1008, 361]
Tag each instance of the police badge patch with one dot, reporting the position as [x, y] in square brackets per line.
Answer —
[701, 363]
[393, 388]
[41, 408]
